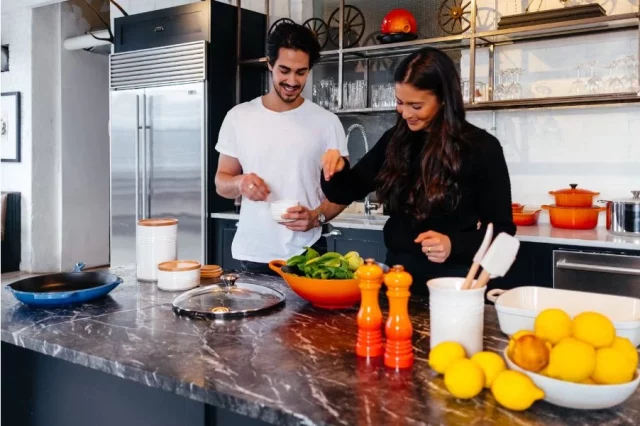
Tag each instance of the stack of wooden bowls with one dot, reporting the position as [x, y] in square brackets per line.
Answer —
[210, 272]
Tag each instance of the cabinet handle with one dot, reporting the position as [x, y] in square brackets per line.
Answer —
[563, 264]
[333, 233]
[159, 28]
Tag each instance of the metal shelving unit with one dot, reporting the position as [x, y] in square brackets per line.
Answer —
[472, 40]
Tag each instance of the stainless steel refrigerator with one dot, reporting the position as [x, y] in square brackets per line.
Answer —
[158, 138]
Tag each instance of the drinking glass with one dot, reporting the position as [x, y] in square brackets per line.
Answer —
[500, 92]
[630, 79]
[515, 90]
[594, 84]
[578, 87]
[613, 84]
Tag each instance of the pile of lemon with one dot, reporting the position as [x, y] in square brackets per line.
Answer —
[584, 349]
[466, 377]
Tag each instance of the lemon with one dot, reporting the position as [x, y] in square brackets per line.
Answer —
[624, 345]
[544, 371]
[588, 381]
[530, 352]
[593, 328]
[571, 360]
[612, 367]
[521, 333]
[515, 390]
[553, 325]
[464, 378]
[443, 354]
[491, 363]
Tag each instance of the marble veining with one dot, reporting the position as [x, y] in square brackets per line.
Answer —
[295, 366]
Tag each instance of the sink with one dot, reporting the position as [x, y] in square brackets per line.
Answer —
[375, 219]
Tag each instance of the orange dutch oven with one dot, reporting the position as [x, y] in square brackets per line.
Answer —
[574, 197]
[574, 217]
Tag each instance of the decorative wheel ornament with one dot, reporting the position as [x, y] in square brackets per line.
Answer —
[319, 29]
[353, 26]
[280, 21]
[453, 16]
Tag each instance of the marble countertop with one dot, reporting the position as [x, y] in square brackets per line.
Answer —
[598, 237]
[296, 366]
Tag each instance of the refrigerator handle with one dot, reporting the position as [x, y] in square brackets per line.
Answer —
[144, 158]
[137, 159]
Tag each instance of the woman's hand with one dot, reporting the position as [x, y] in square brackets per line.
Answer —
[332, 163]
[436, 246]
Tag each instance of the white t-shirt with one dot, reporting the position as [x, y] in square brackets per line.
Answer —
[284, 149]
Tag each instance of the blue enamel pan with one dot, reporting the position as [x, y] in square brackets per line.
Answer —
[66, 288]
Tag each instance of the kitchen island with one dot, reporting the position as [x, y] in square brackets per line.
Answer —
[293, 366]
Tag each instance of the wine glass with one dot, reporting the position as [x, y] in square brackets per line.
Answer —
[613, 84]
[515, 90]
[578, 87]
[500, 92]
[594, 84]
[630, 79]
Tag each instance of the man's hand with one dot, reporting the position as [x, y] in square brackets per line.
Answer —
[253, 187]
[332, 163]
[303, 218]
[436, 246]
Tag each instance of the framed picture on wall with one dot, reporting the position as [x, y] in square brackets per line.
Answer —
[10, 127]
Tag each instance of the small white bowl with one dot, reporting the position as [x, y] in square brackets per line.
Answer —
[577, 395]
[278, 208]
[178, 275]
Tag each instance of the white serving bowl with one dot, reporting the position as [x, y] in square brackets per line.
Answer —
[280, 207]
[577, 395]
[517, 308]
[178, 275]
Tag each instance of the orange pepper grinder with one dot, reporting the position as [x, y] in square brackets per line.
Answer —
[369, 343]
[398, 352]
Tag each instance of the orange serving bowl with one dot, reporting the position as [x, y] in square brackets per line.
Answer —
[525, 218]
[327, 294]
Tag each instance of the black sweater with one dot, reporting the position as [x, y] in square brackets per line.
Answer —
[485, 197]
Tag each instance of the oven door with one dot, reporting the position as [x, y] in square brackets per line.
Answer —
[597, 272]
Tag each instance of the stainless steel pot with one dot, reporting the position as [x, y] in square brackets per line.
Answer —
[623, 215]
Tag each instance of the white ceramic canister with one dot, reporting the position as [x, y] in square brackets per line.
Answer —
[178, 275]
[156, 242]
[456, 315]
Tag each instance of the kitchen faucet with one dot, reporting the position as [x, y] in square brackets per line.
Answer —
[368, 205]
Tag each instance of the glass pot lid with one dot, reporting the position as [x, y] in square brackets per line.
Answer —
[230, 298]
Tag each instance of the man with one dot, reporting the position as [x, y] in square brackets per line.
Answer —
[270, 149]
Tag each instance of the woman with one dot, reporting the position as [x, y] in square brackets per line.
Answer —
[441, 179]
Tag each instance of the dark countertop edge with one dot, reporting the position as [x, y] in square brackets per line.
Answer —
[227, 400]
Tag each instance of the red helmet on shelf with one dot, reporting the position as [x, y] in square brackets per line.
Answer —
[399, 21]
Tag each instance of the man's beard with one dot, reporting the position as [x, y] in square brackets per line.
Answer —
[278, 88]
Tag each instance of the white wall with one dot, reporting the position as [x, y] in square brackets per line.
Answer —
[16, 32]
[84, 159]
[595, 147]
[46, 111]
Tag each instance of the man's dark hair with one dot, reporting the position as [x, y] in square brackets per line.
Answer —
[293, 36]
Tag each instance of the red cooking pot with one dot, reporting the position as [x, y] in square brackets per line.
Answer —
[399, 21]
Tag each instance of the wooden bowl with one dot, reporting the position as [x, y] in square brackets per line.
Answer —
[326, 294]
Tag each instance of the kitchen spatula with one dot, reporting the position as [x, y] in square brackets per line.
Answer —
[498, 259]
[478, 257]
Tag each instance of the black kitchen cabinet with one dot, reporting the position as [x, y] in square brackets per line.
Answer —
[368, 243]
[220, 244]
[164, 27]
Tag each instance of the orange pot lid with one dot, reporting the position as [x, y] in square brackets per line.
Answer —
[160, 221]
[555, 207]
[573, 190]
[179, 265]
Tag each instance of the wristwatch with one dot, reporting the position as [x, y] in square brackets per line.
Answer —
[322, 219]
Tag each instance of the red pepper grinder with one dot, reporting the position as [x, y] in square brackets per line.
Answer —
[369, 343]
[398, 349]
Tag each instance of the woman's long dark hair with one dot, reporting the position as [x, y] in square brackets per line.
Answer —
[442, 143]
